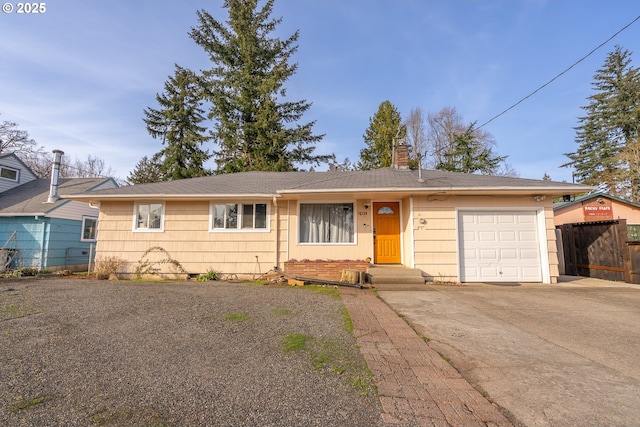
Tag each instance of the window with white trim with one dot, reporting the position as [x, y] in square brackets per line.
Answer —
[89, 228]
[9, 173]
[239, 216]
[326, 223]
[149, 217]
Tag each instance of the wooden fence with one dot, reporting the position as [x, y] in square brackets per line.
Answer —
[601, 250]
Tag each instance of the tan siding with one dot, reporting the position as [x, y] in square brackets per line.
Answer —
[187, 239]
[406, 229]
[283, 246]
[186, 236]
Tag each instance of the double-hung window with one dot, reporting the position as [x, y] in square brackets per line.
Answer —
[239, 216]
[326, 223]
[149, 216]
[89, 228]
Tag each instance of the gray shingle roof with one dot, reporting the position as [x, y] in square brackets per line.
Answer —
[380, 180]
[30, 198]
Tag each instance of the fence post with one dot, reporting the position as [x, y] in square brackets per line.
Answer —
[624, 247]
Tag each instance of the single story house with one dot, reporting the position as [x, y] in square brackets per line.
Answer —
[38, 229]
[596, 207]
[452, 226]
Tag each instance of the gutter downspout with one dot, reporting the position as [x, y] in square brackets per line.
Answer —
[277, 239]
[44, 248]
[288, 228]
[413, 233]
[55, 172]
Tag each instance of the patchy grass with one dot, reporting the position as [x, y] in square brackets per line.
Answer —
[329, 290]
[281, 312]
[14, 304]
[348, 323]
[22, 403]
[257, 282]
[333, 357]
[295, 342]
[146, 417]
[237, 317]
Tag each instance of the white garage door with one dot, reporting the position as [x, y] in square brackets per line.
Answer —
[499, 247]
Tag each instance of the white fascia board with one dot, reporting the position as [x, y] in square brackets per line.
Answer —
[168, 196]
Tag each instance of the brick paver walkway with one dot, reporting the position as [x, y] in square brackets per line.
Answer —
[415, 385]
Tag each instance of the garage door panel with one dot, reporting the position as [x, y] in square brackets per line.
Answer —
[509, 254]
[528, 236]
[499, 246]
[506, 219]
[504, 236]
[486, 236]
[488, 255]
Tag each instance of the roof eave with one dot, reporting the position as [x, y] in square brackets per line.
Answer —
[14, 214]
[560, 190]
[160, 196]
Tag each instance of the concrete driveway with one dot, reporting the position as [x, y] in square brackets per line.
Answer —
[551, 355]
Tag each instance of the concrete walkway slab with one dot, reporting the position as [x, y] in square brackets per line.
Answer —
[566, 354]
[415, 385]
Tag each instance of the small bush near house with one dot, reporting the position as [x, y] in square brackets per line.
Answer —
[25, 272]
[107, 266]
[209, 275]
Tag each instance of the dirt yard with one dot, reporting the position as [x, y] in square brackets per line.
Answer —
[90, 353]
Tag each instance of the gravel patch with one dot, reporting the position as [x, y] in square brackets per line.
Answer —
[85, 352]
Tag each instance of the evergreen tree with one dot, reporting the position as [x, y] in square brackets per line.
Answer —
[469, 155]
[385, 127]
[255, 129]
[177, 123]
[146, 171]
[608, 131]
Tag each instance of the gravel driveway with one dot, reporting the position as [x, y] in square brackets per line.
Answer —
[83, 352]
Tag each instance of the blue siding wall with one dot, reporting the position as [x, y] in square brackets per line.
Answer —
[45, 242]
[64, 246]
[27, 239]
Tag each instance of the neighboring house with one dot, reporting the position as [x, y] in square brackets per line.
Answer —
[452, 226]
[599, 207]
[596, 207]
[39, 229]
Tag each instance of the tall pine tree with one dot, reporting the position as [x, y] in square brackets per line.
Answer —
[469, 155]
[177, 123]
[255, 128]
[384, 127]
[608, 133]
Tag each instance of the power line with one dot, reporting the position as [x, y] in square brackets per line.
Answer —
[559, 75]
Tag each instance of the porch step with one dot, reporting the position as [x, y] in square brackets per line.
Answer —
[394, 276]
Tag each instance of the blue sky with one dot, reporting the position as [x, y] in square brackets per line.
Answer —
[79, 76]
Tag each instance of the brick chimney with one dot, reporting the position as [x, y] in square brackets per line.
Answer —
[55, 172]
[400, 155]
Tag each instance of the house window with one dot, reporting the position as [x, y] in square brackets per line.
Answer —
[89, 226]
[8, 173]
[234, 216]
[326, 223]
[149, 217]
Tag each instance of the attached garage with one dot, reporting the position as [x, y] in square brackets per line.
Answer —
[499, 246]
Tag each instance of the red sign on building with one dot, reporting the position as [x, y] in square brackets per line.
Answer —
[597, 212]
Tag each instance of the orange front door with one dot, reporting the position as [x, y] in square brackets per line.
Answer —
[386, 233]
